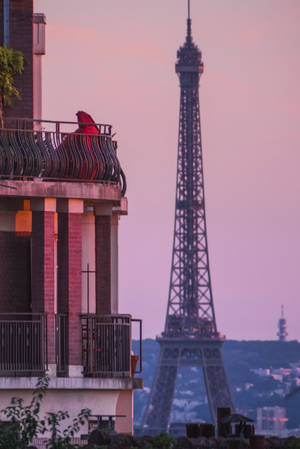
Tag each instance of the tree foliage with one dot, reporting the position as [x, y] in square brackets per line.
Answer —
[11, 64]
[24, 423]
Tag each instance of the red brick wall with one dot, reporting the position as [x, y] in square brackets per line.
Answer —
[42, 261]
[42, 253]
[103, 264]
[69, 254]
[21, 39]
[49, 262]
[37, 252]
[75, 279]
[15, 273]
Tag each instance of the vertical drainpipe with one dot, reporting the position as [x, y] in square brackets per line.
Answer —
[6, 22]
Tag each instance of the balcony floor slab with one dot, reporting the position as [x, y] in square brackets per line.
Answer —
[60, 189]
[71, 383]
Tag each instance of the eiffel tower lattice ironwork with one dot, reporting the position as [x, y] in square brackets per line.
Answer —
[190, 336]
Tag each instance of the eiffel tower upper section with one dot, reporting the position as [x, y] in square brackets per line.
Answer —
[190, 304]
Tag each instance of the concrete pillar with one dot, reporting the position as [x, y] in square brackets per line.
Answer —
[43, 266]
[69, 276]
[125, 407]
[88, 258]
[38, 51]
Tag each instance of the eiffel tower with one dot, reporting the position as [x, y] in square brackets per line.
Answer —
[190, 336]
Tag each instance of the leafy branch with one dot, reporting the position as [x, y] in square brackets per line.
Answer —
[24, 423]
[11, 64]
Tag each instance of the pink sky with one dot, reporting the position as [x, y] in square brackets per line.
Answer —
[115, 59]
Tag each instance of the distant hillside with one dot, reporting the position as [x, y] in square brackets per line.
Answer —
[250, 390]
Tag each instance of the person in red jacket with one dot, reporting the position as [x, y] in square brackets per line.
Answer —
[86, 124]
[78, 150]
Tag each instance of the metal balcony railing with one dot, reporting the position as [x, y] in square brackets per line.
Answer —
[42, 149]
[23, 344]
[106, 345]
[61, 346]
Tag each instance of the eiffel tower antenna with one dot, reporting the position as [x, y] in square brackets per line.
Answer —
[189, 23]
[190, 336]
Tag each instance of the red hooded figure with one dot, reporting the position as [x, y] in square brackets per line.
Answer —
[86, 124]
[79, 150]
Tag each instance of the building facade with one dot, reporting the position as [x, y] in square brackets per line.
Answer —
[61, 197]
[24, 30]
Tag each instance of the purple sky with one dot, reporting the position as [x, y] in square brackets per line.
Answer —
[115, 59]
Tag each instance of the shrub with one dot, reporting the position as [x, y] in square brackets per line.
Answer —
[24, 422]
[11, 64]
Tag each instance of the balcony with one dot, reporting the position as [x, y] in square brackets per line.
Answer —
[49, 151]
[23, 344]
[106, 345]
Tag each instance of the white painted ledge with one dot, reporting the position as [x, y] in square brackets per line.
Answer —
[70, 383]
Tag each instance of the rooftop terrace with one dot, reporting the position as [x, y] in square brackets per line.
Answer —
[50, 151]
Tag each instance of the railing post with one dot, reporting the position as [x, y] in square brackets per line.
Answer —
[135, 320]
[61, 348]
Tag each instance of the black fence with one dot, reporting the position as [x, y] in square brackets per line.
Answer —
[23, 344]
[106, 345]
[28, 150]
[61, 345]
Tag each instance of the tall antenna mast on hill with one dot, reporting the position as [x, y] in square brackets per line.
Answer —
[282, 327]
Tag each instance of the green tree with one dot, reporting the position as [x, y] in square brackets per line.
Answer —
[62, 439]
[23, 420]
[24, 423]
[11, 64]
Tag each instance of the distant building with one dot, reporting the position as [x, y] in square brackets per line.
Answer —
[261, 371]
[177, 429]
[282, 331]
[271, 420]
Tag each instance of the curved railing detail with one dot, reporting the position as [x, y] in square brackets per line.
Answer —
[56, 155]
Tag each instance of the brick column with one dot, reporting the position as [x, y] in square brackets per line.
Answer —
[42, 268]
[115, 263]
[69, 278]
[103, 225]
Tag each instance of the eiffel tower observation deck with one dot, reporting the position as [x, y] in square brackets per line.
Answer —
[190, 336]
